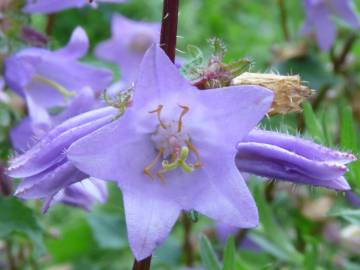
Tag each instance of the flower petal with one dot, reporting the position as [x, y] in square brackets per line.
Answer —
[77, 46]
[325, 28]
[345, 11]
[149, 220]
[51, 6]
[272, 161]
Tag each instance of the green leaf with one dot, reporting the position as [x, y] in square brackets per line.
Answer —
[229, 254]
[312, 123]
[350, 215]
[16, 218]
[208, 255]
[109, 230]
[75, 240]
[348, 132]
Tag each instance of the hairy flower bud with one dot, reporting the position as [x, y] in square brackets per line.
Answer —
[289, 92]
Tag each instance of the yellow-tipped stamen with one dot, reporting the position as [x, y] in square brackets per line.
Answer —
[66, 93]
[153, 163]
[158, 113]
[182, 114]
[191, 147]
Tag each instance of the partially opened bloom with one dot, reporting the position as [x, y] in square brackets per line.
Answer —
[51, 6]
[128, 44]
[44, 168]
[319, 15]
[173, 150]
[50, 78]
[285, 157]
[84, 194]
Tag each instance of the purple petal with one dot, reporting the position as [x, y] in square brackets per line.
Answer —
[49, 150]
[149, 220]
[344, 9]
[292, 159]
[325, 28]
[77, 46]
[51, 6]
[49, 182]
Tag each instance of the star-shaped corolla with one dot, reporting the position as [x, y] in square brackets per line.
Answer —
[174, 150]
[285, 157]
[52, 6]
[319, 15]
[128, 44]
[50, 78]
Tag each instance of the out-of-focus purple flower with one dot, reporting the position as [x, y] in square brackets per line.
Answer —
[33, 127]
[319, 15]
[33, 37]
[44, 167]
[130, 40]
[50, 78]
[285, 157]
[82, 194]
[176, 145]
[52, 6]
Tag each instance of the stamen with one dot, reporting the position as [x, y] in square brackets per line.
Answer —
[197, 164]
[66, 93]
[182, 114]
[152, 163]
[158, 113]
[181, 161]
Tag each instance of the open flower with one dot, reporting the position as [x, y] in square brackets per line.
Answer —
[128, 44]
[51, 6]
[173, 150]
[319, 16]
[285, 157]
[50, 78]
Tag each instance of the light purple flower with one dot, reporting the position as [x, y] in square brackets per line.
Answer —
[319, 15]
[52, 6]
[44, 167]
[285, 157]
[84, 194]
[130, 40]
[50, 78]
[173, 150]
[39, 121]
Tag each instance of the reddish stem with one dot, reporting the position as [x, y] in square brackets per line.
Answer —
[142, 265]
[169, 28]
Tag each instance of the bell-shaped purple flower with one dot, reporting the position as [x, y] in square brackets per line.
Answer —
[44, 168]
[319, 15]
[50, 78]
[128, 44]
[52, 6]
[285, 157]
[84, 194]
[173, 150]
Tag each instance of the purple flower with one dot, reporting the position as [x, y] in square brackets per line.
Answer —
[44, 167]
[173, 150]
[82, 194]
[50, 78]
[281, 156]
[319, 15]
[33, 127]
[130, 40]
[51, 6]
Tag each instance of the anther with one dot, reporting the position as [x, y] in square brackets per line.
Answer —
[191, 147]
[152, 163]
[182, 114]
[158, 113]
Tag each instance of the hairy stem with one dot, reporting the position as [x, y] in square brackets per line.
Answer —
[169, 27]
[142, 265]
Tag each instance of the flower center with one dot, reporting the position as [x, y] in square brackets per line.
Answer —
[173, 145]
[141, 42]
